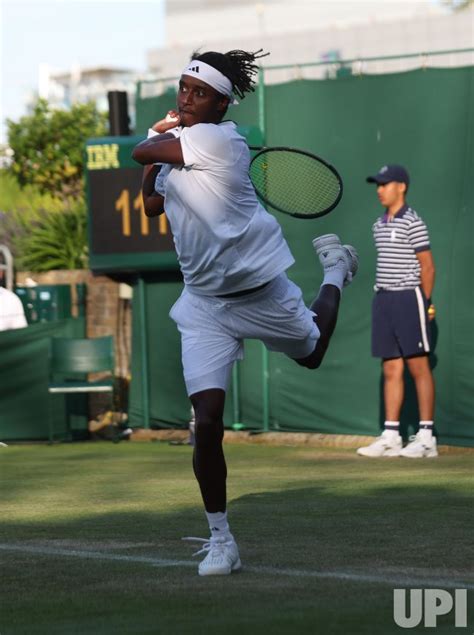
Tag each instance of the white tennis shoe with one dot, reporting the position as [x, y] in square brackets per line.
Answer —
[332, 253]
[420, 447]
[387, 444]
[222, 556]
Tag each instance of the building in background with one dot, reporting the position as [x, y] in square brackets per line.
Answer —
[308, 31]
[80, 85]
[297, 34]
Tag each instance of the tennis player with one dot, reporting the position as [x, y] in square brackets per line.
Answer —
[233, 258]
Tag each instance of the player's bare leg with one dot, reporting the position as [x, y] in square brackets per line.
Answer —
[208, 457]
[211, 473]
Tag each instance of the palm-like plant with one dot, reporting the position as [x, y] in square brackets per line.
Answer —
[57, 241]
[43, 232]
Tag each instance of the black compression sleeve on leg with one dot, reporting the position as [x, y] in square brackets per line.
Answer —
[208, 459]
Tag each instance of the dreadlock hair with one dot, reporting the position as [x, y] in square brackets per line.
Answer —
[238, 66]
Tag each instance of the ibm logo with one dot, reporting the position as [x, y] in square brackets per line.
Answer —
[436, 602]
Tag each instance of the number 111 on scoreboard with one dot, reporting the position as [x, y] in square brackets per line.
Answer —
[122, 205]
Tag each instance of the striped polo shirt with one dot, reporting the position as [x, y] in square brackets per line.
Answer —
[397, 241]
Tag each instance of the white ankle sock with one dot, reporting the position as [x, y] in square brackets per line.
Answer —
[335, 275]
[392, 428]
[218, 524]
[426, 429]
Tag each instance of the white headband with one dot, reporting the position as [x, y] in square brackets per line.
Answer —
[210, 75]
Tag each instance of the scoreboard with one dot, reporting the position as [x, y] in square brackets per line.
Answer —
[121, 237]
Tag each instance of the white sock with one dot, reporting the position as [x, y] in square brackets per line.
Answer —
[218, 524]
[335, 275]
[426, 429]
[392, 428]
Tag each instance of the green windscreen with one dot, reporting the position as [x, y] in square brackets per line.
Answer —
[421, 119]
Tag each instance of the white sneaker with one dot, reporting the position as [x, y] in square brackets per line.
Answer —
[222, 556]
[387, 444]
[420, 447]
[331, 252]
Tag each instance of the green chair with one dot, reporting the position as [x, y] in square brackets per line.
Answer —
[70, 362]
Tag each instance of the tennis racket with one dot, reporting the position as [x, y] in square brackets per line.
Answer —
[295, 182]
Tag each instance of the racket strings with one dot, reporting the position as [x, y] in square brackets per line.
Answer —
[294, 182]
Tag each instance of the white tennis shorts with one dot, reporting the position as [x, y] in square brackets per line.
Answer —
[213, 329]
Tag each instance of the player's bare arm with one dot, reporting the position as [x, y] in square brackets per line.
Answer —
[163, 148]
[152, 201]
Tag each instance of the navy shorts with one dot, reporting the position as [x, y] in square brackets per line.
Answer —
[400, 325]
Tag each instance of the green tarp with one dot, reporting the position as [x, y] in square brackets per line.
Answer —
[422, 119]
[25, 404]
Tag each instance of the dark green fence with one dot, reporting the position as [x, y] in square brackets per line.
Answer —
[422, 119]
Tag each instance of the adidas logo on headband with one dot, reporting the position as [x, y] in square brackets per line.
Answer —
[210, 75]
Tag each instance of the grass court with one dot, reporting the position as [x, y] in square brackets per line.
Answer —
[90, 540]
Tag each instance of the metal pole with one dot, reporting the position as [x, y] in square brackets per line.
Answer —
[144, 352]
[142, 91]
[237, 425]
[261, 101]
[379, 58]
[265, 390]
[265, 368]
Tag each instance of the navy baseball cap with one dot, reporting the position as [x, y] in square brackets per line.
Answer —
[389, 173]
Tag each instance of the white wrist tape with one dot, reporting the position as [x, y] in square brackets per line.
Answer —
[176, 132]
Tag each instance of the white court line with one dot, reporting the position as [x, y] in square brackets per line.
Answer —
[393, 580]
[390, 579]
[95, 555]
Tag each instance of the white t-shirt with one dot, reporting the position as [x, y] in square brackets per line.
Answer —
[12, 315]
[225, 240]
